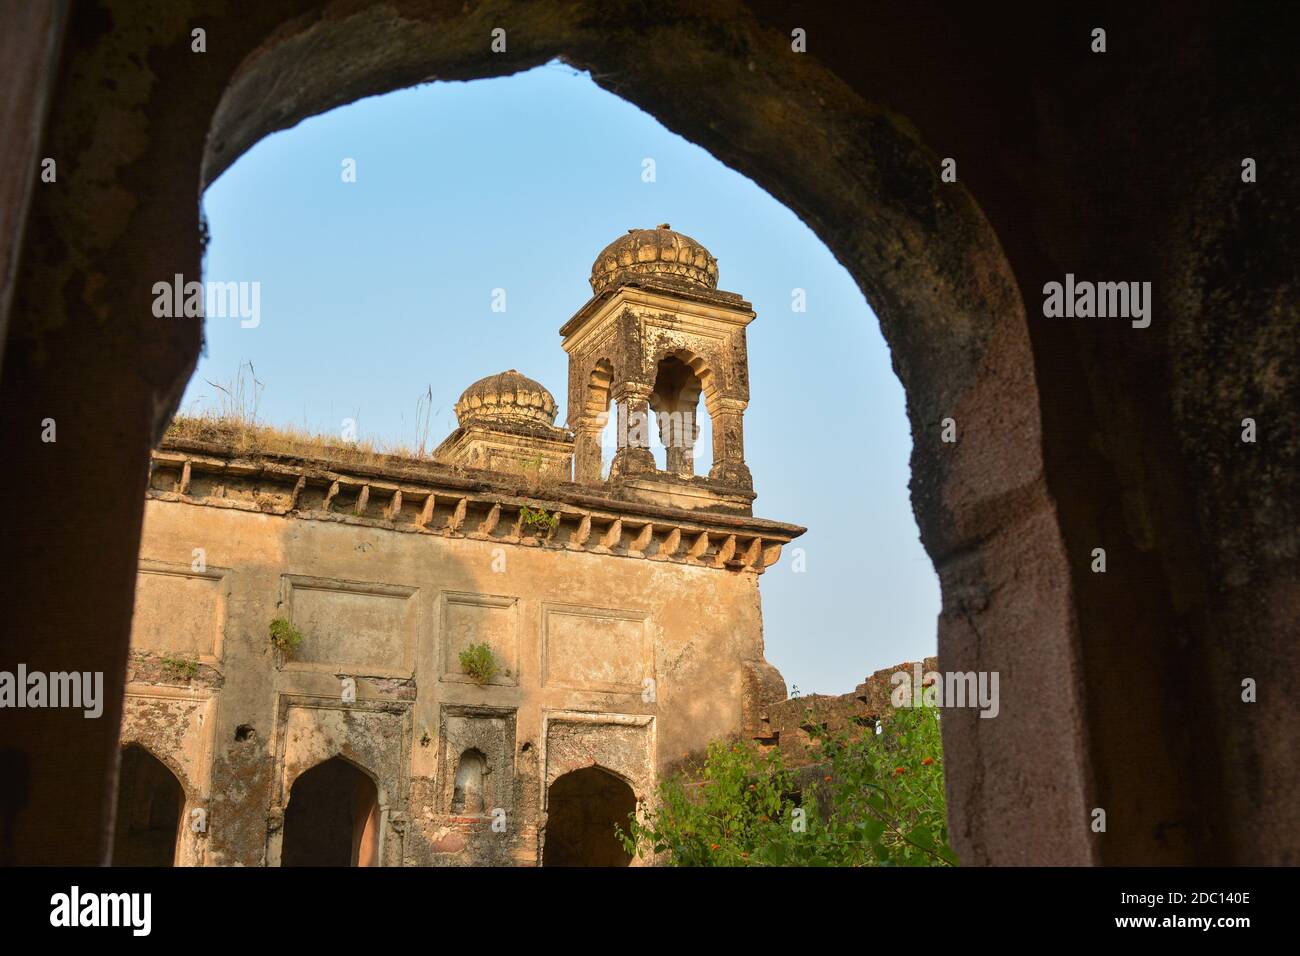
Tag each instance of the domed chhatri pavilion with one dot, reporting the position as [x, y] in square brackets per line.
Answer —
[506, 424]
[655, 338]
[500, 652]
[669, 257]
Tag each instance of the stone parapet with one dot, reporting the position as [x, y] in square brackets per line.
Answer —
[428, 498]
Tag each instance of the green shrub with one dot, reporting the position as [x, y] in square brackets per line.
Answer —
[285, 636]
[180, 667]
[538, 520]
[879, 802]
[479, 663]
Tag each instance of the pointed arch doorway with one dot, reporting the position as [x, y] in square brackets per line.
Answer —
[332, 818]
[582, 809]
[150, 801]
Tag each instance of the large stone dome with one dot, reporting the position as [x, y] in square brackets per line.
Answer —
[508, 398]
[659, 252]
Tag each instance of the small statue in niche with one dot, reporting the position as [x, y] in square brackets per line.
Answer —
[468, 797]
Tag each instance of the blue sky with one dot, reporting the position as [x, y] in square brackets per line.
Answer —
[373, 291]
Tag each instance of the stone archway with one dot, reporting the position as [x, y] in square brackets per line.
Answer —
[920, 249]
[150, 805]
[332, 818]
[934, 271]
[582, 809]
[675, 402]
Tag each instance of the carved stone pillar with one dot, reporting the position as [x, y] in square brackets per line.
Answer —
[678, 431]
[729, 444]
[586, 449]
[633, 456]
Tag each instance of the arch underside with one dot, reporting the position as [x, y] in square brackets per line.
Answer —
[935, 276]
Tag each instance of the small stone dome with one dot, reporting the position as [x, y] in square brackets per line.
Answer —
[506, 397]
[658, 252]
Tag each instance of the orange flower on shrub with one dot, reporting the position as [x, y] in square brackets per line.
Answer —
[827, 778]
[713, 846]
[927, 761]
[899, 771]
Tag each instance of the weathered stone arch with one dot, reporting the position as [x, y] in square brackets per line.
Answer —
[138, 838]
[596, 395]
[638, 786]
[681, 377]
[590, 393]
[699, 366]
[188, 789]
[302, 840]
[582, 807]
[921, 250]
[380, 789]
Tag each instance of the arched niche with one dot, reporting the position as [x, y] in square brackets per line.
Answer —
[469, 794]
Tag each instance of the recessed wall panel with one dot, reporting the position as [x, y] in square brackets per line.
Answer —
[598, 649]
[179, 612]
[351, 626]
[480, 619]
